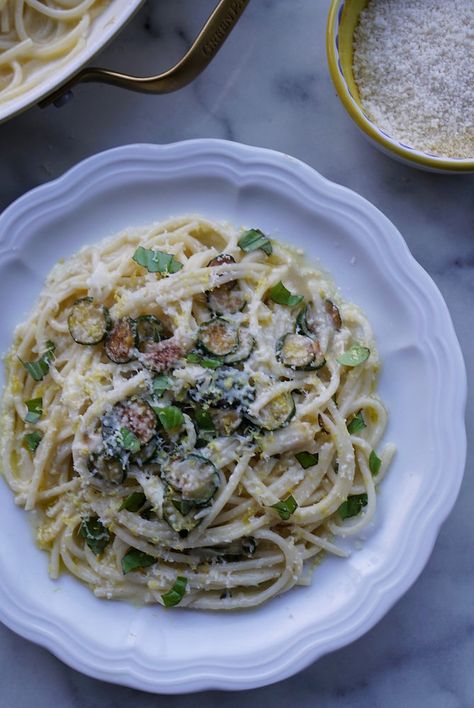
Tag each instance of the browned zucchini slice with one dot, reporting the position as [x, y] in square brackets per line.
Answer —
[299, 352]
[88, 322]
[218, 337]
[120, 342]
[277, 413]
[194, 478]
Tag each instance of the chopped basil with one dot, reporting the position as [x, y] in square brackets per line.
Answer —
[352, 506]
[133, 502]
[96, 535]
[175, 595]
[356, 424]
[170, 417]
[286, 507]
[39, 368]
[161, 384]
[307, 459]
[35, 410]
[183, 506]
[156, 261]
[134, 559]
[203, 419]
[354, 356]
[253, 240]
[207, 361]
[32, 440]
[375, 463]
[282, 296]
[129, 440]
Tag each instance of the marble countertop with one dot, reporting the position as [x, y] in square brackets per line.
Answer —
[270, 86]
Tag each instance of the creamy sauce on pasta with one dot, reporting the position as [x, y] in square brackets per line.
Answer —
[192, 410]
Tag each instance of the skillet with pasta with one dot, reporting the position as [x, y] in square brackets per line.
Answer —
[37, 38]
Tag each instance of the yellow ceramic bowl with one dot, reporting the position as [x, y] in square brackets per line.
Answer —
[342, 20]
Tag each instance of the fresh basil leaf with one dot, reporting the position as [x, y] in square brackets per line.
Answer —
[182, 505]
[282, 296]
[50, 347]
[161, 384]
[133, 502]
[134, 559]
[352, 506]
[286, 507]
[156, 261]
[210, 362]
[96, 535]
[170, 417]
[203, 419]
[175, 595]
[32, 440]
[39, 368]
[35, 410]
[129, 440]
[206, 361]
[354, 356]
[375, 463]
[307, 459]
[253, 240]
[174, 266]
[356, 424]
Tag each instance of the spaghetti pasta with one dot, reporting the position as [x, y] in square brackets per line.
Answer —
[37, 37]
[191, 410]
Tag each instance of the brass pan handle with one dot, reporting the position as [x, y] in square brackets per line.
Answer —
[206, 45]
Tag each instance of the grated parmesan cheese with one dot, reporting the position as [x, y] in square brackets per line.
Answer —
[414, 67]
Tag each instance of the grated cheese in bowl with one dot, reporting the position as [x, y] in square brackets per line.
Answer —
[413, 63]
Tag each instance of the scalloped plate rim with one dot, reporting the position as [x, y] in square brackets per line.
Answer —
[199, 677]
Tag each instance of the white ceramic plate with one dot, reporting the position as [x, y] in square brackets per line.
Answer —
[423, 382]
[104, 28]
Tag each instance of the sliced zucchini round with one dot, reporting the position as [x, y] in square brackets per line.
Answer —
[236, 550]
[161, 356]
[179, 515]
[244, 350]
[88, 323]
[299, 352]
[148, 329]
[135, 414]
[154, 454]
[225, 387]
[120, 342]
[223, 301]
[194, 478]
[107, 470]
[218, 337]
[305, 322]
[223, 259]
[226, 422]
[146, 452]
[277, 413]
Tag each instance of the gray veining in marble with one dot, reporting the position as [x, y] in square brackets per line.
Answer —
[270, 86]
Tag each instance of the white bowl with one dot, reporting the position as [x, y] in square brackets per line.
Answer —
[423, 382]
[103, 30]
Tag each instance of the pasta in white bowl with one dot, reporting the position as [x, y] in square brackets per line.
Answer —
[193, 416]
[422, 381]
